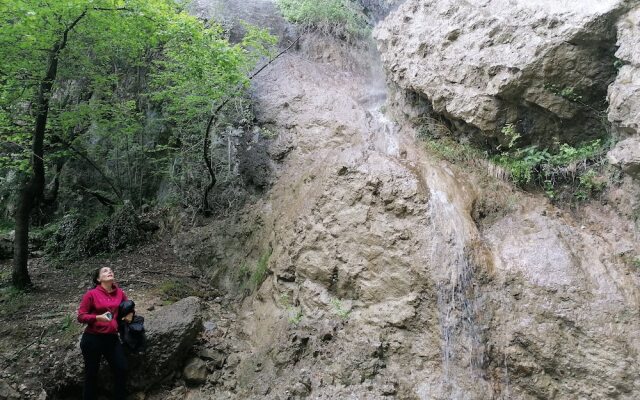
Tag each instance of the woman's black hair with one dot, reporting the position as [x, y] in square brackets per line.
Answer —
[95, 276]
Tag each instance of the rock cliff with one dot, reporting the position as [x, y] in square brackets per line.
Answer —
[542, 65]
[379, 282]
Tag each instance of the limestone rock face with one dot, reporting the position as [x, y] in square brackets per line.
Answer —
[380, 284]
[626, 155]
[562, 307]
[543, 65]
[7, 392]
[624, 93]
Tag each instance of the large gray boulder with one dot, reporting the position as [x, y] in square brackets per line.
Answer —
[543, 65]
[171, 332]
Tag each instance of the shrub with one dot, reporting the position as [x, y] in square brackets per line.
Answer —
[576, 169]
[342, 18]
[448, 149]
[574, 165]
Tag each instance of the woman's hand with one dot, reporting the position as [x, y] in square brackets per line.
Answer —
[128, 318]
[103, 317]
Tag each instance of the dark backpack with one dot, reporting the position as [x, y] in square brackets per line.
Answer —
[131, 333]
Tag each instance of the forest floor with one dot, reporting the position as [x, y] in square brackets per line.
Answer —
[38, 328]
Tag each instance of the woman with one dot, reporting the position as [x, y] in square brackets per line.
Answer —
[99, 310]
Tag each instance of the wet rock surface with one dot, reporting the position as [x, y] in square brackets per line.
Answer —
[563, 310]
[380, 283]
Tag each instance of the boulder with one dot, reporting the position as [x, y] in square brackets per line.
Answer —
[541, 65]
[624, 93]
[626, 155]
[171, 332]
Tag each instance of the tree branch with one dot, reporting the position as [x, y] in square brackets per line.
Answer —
[212, 119]
[96, 167]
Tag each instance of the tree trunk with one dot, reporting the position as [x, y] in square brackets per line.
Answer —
[20, 276]
[31, 193]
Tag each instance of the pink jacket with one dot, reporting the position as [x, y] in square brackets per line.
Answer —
[98, 301]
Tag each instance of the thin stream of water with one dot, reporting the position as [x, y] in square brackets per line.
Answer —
[457, 298]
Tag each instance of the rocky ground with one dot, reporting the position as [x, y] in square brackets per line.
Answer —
[39, 328]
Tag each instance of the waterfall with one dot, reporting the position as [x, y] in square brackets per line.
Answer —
[462, 342]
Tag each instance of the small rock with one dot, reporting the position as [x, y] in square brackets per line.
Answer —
[626, 155]
[300, 389]
[389, 390]
[209, 326]
[195, 372]
[233, 360]
[214, 377]
[216, 356]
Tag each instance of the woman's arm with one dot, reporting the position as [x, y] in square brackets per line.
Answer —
[84, 311]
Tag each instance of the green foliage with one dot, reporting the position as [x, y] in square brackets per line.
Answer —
[199, 70]
[134, 87]
[339, 309]
[577, 168]
[103, 37]
[531, 165]
[566, 92]
[589, 184]
[295, 315]
[450, 150]
[617, 64]
[252, 278]
[5, 225]
[243, 273]
[68, 329]
[510, 131]
[342, 18]
[523, 163]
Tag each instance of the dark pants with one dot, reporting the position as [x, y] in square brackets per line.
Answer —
[93, 348]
